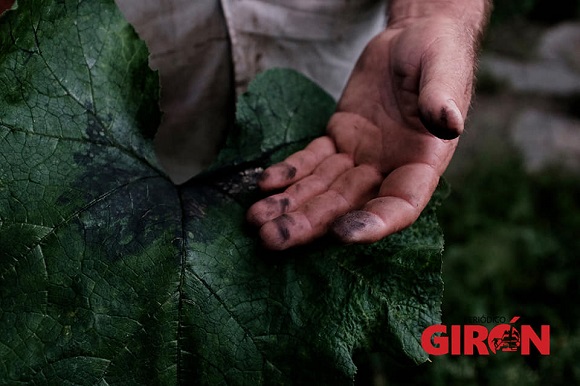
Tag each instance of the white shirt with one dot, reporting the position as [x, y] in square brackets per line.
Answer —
[207, 51]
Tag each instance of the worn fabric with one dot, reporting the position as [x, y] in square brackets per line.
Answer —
[207, 51]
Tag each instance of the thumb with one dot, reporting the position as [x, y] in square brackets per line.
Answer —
[446, 85]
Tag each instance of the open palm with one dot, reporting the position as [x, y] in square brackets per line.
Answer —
[391, 138]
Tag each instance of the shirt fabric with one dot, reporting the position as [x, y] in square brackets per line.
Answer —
[207, 51]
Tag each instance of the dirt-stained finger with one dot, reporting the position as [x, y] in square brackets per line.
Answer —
[312, 219]
[298, 193]
[297, 165]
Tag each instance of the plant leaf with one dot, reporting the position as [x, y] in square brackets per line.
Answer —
[111, 275]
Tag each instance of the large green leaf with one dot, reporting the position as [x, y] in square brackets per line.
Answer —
[111, 275]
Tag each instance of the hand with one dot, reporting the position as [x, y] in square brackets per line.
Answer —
[391, 138]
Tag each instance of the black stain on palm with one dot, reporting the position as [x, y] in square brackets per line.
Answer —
[349, 224]
[284, 233]
[282, 223]
[439, 127]
[290, 172]
[443, 117]
[356, 225]
[284, 205]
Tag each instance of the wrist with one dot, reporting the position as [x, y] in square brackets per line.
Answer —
[473, 14]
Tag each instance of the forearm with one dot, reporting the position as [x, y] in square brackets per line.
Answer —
[473, 14]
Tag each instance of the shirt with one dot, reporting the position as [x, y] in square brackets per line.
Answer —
[207, 51]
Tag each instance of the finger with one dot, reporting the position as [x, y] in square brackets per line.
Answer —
[446, 85]
[298, 165]
[298, 193]
[350, 191]
[402, 197]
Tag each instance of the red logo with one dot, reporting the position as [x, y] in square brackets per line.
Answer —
[474, 338]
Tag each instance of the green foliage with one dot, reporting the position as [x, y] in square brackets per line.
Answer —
[111, 275]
